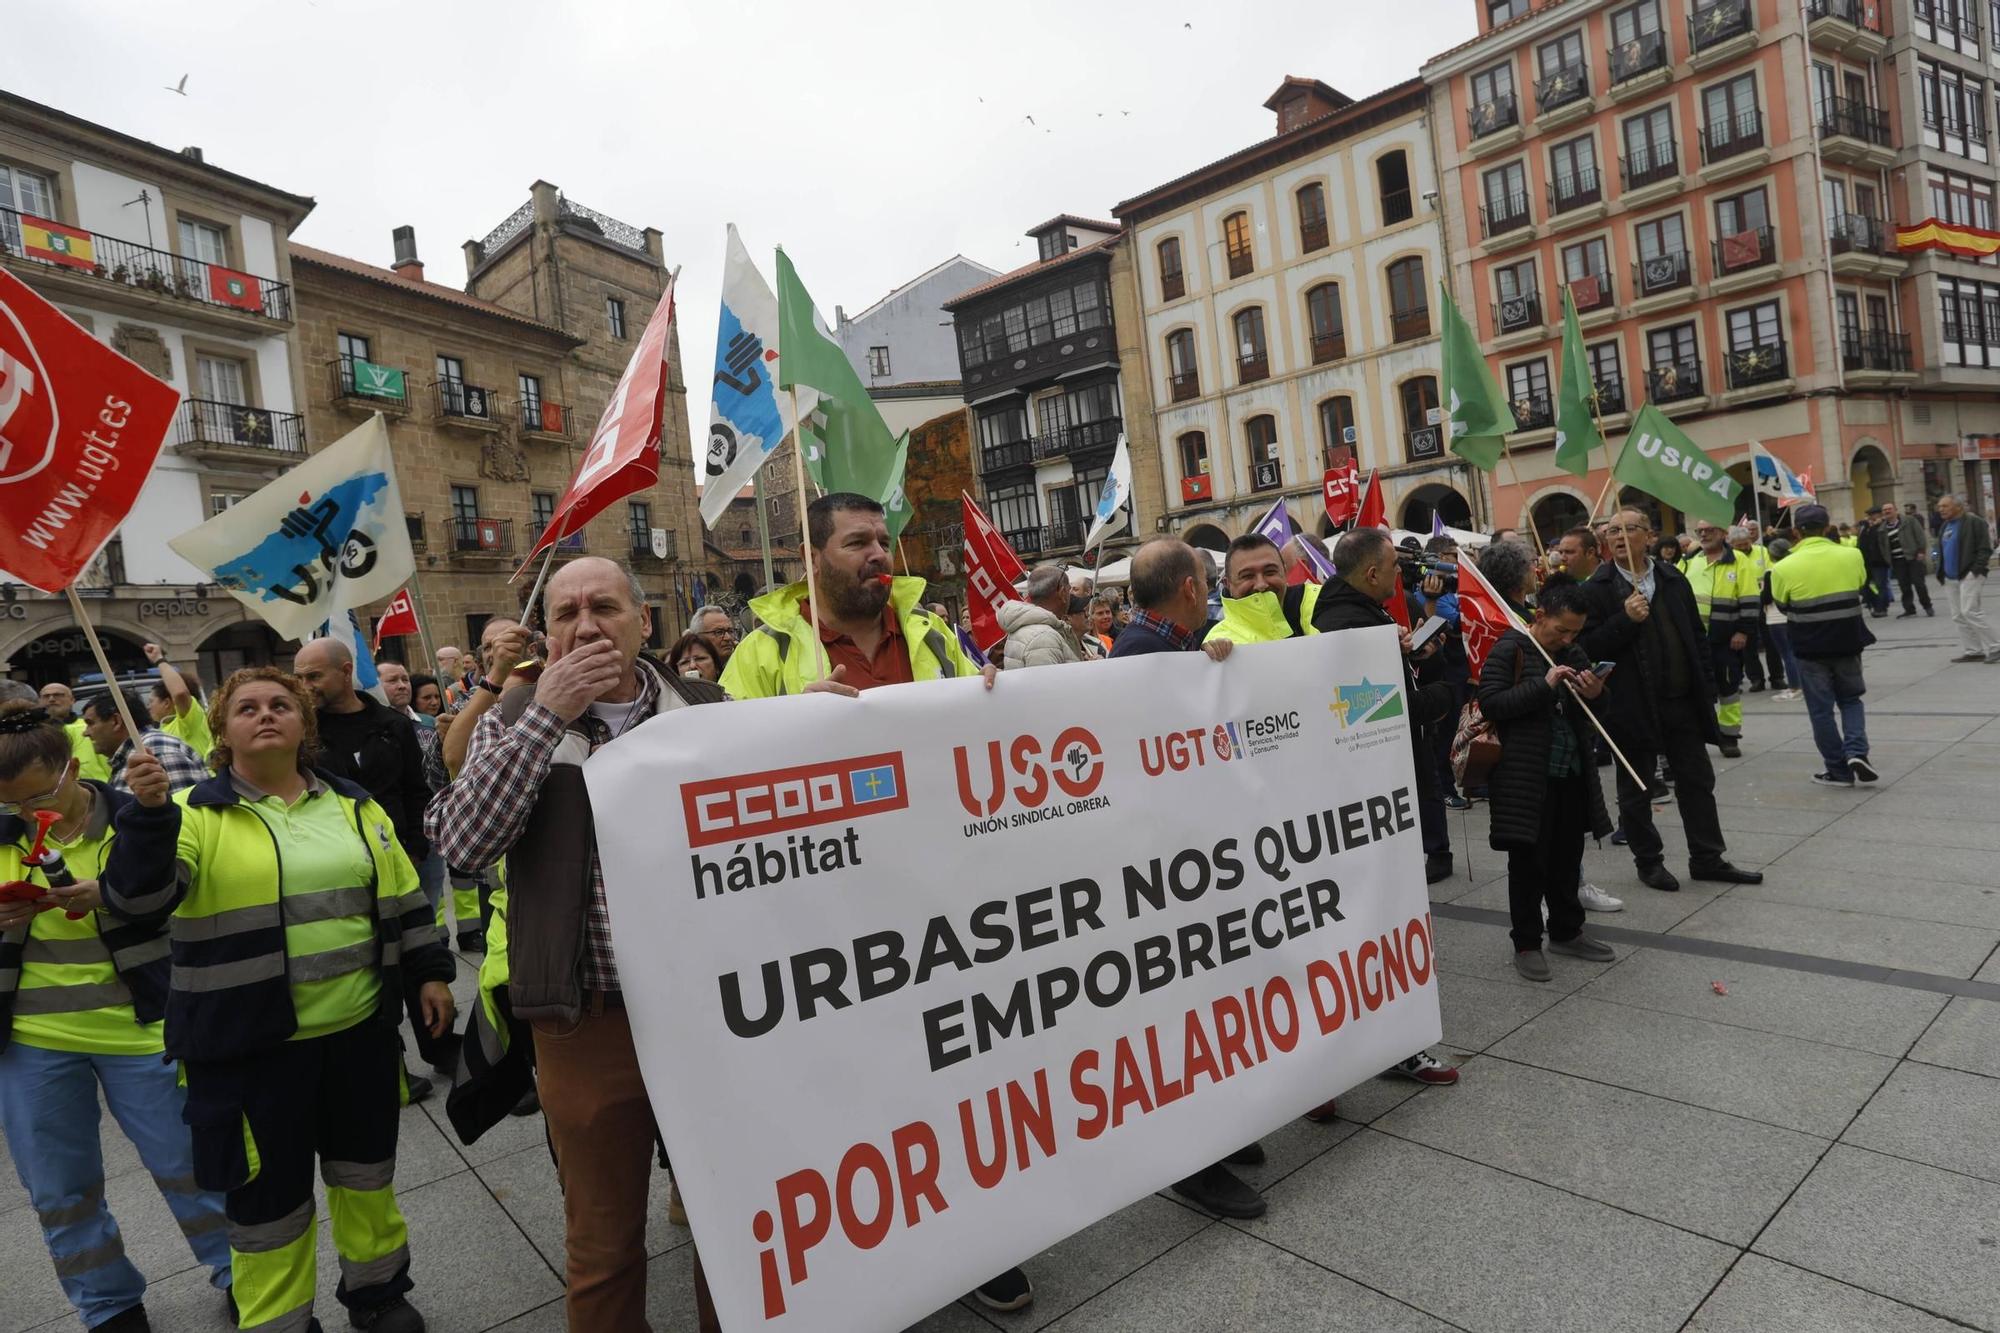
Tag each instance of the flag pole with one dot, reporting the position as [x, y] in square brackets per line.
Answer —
[764, 518]
[805, 532]
[528, 607]
[104, 665]
[423, 635]
[1513, 471]
[1592, 715]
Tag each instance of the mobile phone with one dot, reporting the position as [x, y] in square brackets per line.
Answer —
[1429, 630]
[1603, 669]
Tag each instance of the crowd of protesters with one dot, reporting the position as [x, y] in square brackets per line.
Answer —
[262, 887]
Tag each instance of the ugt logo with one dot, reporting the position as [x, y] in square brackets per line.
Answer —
[28, 418]
[1074, 763]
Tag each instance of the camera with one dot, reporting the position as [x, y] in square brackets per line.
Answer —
[1416, 568]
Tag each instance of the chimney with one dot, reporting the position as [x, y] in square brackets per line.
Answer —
[191, 154]
[407, 264]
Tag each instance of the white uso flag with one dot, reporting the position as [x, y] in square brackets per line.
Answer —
[1117, 490]
[747, 417]
[324, 537]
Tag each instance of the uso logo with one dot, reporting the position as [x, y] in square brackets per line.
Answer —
[1028, 770]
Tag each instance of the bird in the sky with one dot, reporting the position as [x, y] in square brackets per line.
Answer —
[181, 87]
[1188, 26]
[1124, 113]
[1029, 119]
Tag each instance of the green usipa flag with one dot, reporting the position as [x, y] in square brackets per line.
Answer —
[895, 500]
[1476, 412]
[848, 446]
[1662, 461]
[1576, 395]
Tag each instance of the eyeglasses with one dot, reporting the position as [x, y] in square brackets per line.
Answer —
[36, 802]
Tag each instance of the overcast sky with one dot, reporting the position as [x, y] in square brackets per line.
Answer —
[870, 140]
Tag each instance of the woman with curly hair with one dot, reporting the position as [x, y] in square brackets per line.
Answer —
[291, 907]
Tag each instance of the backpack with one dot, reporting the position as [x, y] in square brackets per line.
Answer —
[1475, 747]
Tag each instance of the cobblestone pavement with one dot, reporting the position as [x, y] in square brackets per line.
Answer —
[1629, 1148]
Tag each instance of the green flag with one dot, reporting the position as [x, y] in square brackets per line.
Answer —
[1476, 412]
[1576, 399]
[1662, 461]
[895, 500]
[848, 446]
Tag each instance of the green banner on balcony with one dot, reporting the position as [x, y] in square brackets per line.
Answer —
[373, 381]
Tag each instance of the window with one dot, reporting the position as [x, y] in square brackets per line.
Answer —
[1949, 23]
[1955, 197]
[1422, 436]
[639, 517]
[1607, 376]
[1528, 393]
[1015, 508]
[1392, 179]
[1501, 11]
[878, 362]
[1409, 300]
[1003, 426]
[1586, 267]
[1565, 52]
[1649, 148]
[464, 504]
[1052, 415]
[1194, 454]
[1236, 240]
[1183, 378]
[1573, 174]
[1847, 315]
[1266, 470]
[542, 508]
[204, 241]
[1253, 360]
[1096, 402]
[220, 380]
[1312, 218]
[451, 385]
[1634, 22]
[451, 370]
[530, 388]
[1173, 284]
[614, 316]
[352, 347]
[1756, 345]
[1336, 423]
[219, 501]
[1731, 121]
[1663, 258]
[1674, 365]
[1743, 232]
[1329, 336]
[1969, 313]
[1520, 299]
[1493, 107]
[1754, 326]
[26, 192]
[1954, 110]
[1505, 189]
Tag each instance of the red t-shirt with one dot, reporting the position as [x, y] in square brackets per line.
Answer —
[889, 666]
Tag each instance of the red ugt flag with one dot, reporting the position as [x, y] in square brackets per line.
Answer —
[1374, 513]
[80, 427]
[1483, 615]
[398, 617]
[624, 454]
[991, 570]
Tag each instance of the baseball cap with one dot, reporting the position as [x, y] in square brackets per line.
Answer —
[1811, 516]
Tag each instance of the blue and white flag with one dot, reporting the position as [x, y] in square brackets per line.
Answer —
[328, 535]
[347, 630]
[747, 417]
[1776, 480]
[1110, 515]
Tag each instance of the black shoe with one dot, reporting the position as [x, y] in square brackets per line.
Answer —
[1659, 793]
[1929, 611]
[1756, 687]
[1437, 866]
[1618, 837]
[1724, 873]
[472, 941]
[420, 1087]
[129, 1320]
[1218, 1189]
[1250, 1156]
[1657, 876]
[1453, 801]
[531, 1102]
[1862, 769]
[1779, 684]
[1731, 750]
[394, 1315]
[446, 1064]
[1010, 1291]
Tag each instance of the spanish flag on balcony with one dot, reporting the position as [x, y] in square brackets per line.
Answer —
[54, 243]
[1955, 238]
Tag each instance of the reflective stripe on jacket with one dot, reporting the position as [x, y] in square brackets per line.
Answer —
[779, 656]
[1726, 593]
[1818, 587]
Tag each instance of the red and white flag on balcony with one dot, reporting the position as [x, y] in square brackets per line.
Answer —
[399, 617]
[228, 287]
[624, 454]
[80, 427]
[1586, 291]
[991, 571]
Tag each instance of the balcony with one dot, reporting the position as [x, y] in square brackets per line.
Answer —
[1173, 286]
[1183, 385]
[1607, 395]
[1516, 314]
[1409, 325]
[1267, 475]
[1508, 213]
[1719, 31]
[1863, 247]
[1312, 235]
[1757, 365]
[1743, 250]
[1329, 347]
[1254, 367]
[1575, 190]
[463, 404]
[1423, 444]
[1560, 88]
[232, 431]
[1240, 263]
[474, 535]
[1963, 23]
[1084, 438]
[1674, 382]
[1875, 353]
[1533, 412]
[1639, 66]
[1733, 144]
[1007, 455]
[1657, 170]
[1063, 532]
[1853, 133]
[420, 541]
[1662, 274]
[1486, 119]
[1850, 26]
[1024, 541]
[570, 545]
[1592, 292]
[370, 387]
[642, 545]
[89, 262]
[544, 419]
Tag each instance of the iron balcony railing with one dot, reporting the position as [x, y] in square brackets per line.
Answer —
[1560, 87]
[1080, 438]
[1425, 442]
[1742, 250]
[1875, 350]
[1642, 55]
[1533, 412]
[365, 381]
[1855, 120]
[1732, 136]
[1864, 14]
[1184, 385]
[573, 542]
[1592, 291]
[1851, 232]
[543, 416]
[1024, 541]
[1504, 214]
[1492, 116]
[1250, 369]
[1062, 532]
[1329, 346]
[1759, 363]
[642, 544]
[1575, 189]
[1241, 262]
[1514, 313]
[1608, 395]
[1713, 24]
[1662, 273]
[1173, 285]
[1648, 166]
[1009, 454]
[462, 401]
[478, 535]
[1674, 381]
[1409, 325]
[144, 268]
[1312, 234]
[205, 421]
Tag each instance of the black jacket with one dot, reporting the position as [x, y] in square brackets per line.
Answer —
[387, 763]
[1514, 695]
[1343, 606]
[1874, 544]
[1629, 706]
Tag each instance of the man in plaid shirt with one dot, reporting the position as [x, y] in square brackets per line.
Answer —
[106, 731]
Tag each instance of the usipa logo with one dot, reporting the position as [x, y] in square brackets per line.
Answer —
[28, 419]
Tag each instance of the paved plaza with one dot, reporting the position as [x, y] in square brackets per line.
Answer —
[1631, 1148]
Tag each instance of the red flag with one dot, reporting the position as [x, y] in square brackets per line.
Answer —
[1483, 615]
[624, 454]
[228, 287]
[1339, 488]
[1373, 512]
[1586, 291]
[991, 570]
[1741, 249]
[80, 427]
[398, 617]
[1398, 605]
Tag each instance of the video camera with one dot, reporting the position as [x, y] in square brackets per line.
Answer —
[1417, 567]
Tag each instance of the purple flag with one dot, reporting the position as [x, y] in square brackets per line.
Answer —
[1437, 524]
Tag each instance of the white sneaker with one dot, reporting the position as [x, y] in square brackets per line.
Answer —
[1787, 694]
[1595, 899]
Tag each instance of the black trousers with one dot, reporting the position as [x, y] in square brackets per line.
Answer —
[1913, 577]
[1431, 823]
[1552, 869]
[1682, 726]
[1774, 657]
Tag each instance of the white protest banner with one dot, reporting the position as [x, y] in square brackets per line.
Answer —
[939, 976]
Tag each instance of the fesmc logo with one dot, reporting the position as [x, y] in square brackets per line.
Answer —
[1073, 763]
[1367, 702]
[28, 420]
[754, 805]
